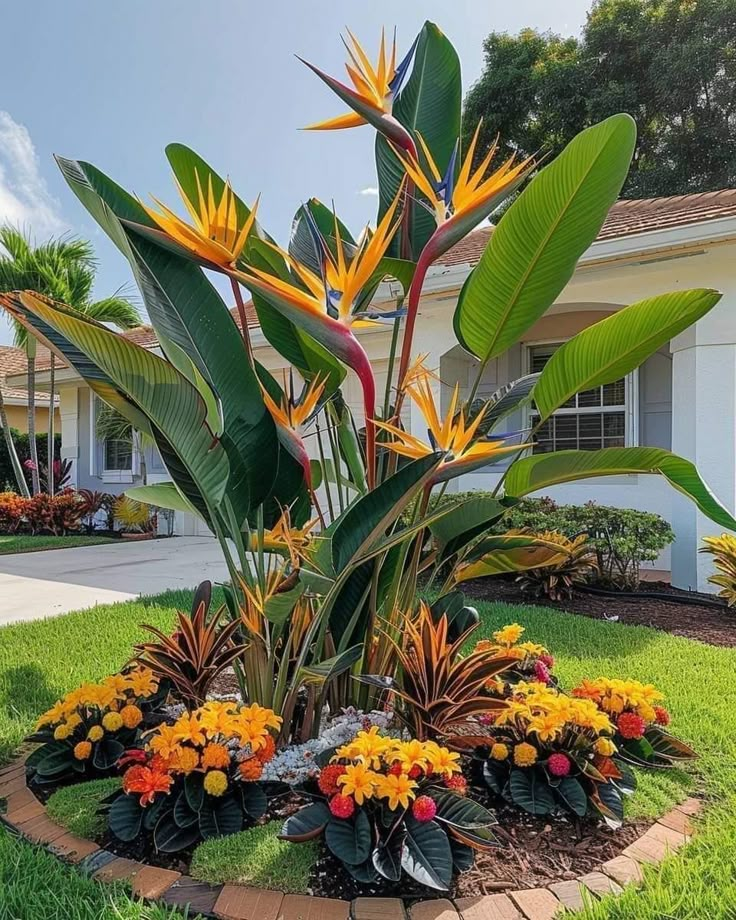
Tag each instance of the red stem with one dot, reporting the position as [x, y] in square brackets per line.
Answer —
[362, 367]
[415, 292]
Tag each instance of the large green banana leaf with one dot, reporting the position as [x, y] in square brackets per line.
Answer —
[509, 553]
[533, 251]
[172, 404]
[162, 495]
[544, 470]
[430, 105]
[613, 347]
[466, 520]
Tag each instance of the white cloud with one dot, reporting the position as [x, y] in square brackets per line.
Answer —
[370, 192]
[25, 200]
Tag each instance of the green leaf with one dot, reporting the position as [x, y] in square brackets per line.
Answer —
[184, 814]
[162, 495]
[613, 347]
[278, 607]
[108, 752]
[504, 553]
[125, 817]
[367, 519]
[460, 616]
[56, 761]
[545, 470]
[530, 791]
[427, 856]
[168, 399]
[656, 749]
[255, 800]
[460, 811]
[168, 837]
[306, 824]
[430, 105]
[465, 521]
[350, 838]
[220, 816]
[506, 399]
[533, 251]
[386, 857]
[324, 671]
[194, 790]
[571, 791]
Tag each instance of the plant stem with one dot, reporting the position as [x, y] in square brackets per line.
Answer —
[243, 318]
[325, 478]
[415, 293]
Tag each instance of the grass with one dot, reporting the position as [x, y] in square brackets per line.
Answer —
[24, 543]
[76, 807]
[256, 857]
[41, 660]
[35, 886]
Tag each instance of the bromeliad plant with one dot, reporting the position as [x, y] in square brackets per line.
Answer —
[640, 721]
[84, 734]
[237, 458]
[394, 805]
[197, 778]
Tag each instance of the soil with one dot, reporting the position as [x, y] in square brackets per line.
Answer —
[695, 619]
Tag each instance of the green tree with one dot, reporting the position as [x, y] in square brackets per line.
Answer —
[64, 270]
[671, 64]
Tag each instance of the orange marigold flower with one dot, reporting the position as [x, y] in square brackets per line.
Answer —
[524, 754]
[251, 769]
[131, 716]
[268, 750]
[146, 782]
[83, 750]
[184, 760]
[215, 755]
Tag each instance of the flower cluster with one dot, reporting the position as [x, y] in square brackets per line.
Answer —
[221, 740]
[534, 660]
[96, 722]
[630, 704]
[373, 766]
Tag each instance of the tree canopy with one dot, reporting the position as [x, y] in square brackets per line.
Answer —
[671, 64]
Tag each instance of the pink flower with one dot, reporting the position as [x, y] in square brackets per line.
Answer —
[541, 672]
[558, 764]
[424, 808]
[29, 464]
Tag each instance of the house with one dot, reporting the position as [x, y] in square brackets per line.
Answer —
[15, 398]
[646, 247]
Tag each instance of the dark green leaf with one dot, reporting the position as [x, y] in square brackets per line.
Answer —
[571, 792]
[255, 800]
[427, 856]
[125, 817]
[530, 791]
[168, 837]
[184, 815]
[350, 838]
[220, 816]
[307, 823]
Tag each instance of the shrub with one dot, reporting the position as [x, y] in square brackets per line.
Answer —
[256, 857]
[60, 513]
[723, 550]
[131, 515]
[574, 566]
[23, 449]
[92, 503]
[13, 508]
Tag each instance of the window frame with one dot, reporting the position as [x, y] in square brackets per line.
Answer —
[631, 397]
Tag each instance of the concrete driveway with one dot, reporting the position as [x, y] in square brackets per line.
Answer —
[44, 584]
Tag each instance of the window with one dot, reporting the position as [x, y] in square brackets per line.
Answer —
[112, 457]
[590, 420]
[117, 454]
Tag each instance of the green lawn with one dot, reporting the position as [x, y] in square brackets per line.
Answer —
[699, 680]
[11, 543]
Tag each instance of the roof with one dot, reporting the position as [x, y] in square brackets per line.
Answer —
[626, 218]
[13, 361]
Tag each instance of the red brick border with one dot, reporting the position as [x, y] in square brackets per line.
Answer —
[28, 817]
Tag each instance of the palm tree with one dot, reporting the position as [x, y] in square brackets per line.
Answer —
[63, 269]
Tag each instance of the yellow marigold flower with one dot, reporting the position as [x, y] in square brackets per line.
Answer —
[525, 755]
[184, 760]
[112, 721]
[83, 750]
[215, 782]
[547, 727]
[398, 789]
[131, 716]
[646, 712]
[215, 755]
[358, 781]
[62, 732]
[96, 733]
[509, 635]
[499, 751]
[605, 747]
[73, 719]
[441, 760]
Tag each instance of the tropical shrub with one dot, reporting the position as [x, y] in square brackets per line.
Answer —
[60, 514]
[551, 753]
[196, 653]
[197, 778]
[23, 448]
[91, 503]
[132, 516]
[232, 436]
[640, 722]
[723, 551]
[558, 578]
[392, 805]
[13, 510]
[86, 732]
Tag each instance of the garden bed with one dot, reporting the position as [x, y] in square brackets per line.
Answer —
[691, 615]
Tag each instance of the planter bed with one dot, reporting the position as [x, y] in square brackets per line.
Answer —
[607, 867]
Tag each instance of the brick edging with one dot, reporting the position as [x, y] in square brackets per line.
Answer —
[27, 816]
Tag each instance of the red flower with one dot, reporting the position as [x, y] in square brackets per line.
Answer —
[342, 806]
[547, 660]
[146, 782]
[396, 769]
[457, 783]
[558, 764]
[541, 671]
[424, 808]
[415, 772]
[663, 717]
[630, 725]
[328, 776]
[132, 756]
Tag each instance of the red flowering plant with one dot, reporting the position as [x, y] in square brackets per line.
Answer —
[197, 778]
[640, 721]
[393, 805]
[549, 753]
[85, 733]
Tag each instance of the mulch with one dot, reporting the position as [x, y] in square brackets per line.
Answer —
[692, 619]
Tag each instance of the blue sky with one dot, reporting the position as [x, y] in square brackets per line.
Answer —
[113, 83]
